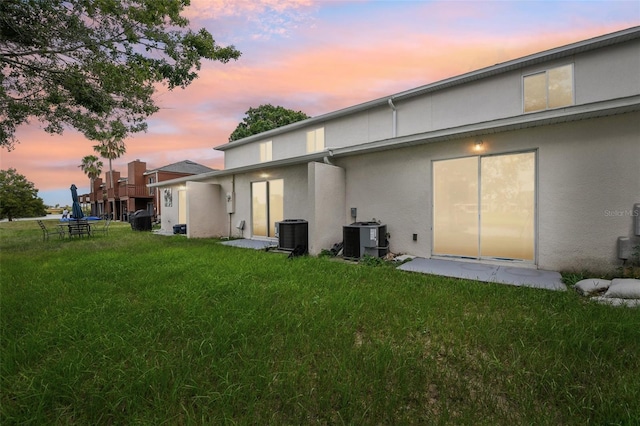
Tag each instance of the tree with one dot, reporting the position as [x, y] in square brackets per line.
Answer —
[94, 64]
[111, 148]
[18, 197]
[92, 167]
[263, 118]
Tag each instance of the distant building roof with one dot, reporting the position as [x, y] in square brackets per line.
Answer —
[186, 166]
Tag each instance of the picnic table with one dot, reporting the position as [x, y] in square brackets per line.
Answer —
[78, 228]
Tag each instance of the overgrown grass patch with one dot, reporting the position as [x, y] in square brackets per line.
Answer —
[138, 328]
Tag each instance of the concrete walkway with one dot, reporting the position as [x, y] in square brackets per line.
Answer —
[512, 275]
[451, 268]
[250, 244]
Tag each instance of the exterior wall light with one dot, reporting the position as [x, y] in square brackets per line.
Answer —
[477, 146]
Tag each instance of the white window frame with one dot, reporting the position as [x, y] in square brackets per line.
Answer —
[152, 180]
[480, 256]
[315, 140]
[266, 151]
[271, 206]
[546, 74]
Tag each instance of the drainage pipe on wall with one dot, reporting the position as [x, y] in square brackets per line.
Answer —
[326, 157]
[233, 194]
[394, 125]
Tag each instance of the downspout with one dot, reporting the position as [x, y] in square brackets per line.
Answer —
[326, 157]
[394, 125]
[233, 194]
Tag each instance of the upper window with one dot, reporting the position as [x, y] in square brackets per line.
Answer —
[265, 152]
[548, 89]
[315, 140]
[151, 181]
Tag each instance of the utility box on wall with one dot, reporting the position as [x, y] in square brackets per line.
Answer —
[624, 248]
[231, 202]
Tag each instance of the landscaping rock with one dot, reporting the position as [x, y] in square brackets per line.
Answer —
[613, 301]
[624, 288]
[592, 285]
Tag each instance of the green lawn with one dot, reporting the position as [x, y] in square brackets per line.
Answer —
[135, 328]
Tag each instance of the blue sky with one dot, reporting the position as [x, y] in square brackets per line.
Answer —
[318, 56]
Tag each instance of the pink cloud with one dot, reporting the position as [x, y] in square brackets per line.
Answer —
[327, 67]
[206, 9]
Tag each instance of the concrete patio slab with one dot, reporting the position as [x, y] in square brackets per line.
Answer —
[537, 278]
[512, 275]
[164, 233]
[250, 244]
[448, 268]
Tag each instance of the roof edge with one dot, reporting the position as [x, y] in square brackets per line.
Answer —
[557, 52]
[568, 114]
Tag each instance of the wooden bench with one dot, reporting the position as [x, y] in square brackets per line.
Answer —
[79, 228]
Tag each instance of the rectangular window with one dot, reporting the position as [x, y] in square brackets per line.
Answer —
[152, 190]
[548, 89]
[266, 151]
[315, 140]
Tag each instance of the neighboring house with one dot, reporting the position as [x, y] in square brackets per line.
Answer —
[169, 172]
[535, 161]
[132, 193]
[96, 198]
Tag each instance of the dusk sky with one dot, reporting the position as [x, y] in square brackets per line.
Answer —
[317, 57]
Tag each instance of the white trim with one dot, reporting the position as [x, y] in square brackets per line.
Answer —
[533, 263]
[556, 53]
[520, 121]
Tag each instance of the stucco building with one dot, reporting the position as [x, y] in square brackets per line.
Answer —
[535, 161]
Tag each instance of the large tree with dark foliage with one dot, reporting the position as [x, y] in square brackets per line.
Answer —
[18, 197]
[94, 64]
[263, 118]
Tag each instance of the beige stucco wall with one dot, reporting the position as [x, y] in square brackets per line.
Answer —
[609, 73]
[588, 180]
[206, 210]
[589, 173]
[599, 75]
[326, 190]
[295, 194]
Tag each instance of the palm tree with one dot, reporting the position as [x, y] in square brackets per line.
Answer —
[111, 147]
[92, 167]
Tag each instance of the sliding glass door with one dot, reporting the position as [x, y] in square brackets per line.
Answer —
[267, 202]
[484, 207]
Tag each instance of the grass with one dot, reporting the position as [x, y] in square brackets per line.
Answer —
[135, 328]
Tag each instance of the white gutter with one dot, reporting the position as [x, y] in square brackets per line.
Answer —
[543, 118]
[521, 121]
[559, 52]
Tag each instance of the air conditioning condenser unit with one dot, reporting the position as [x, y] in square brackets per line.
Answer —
[293, 233]
[364, 238]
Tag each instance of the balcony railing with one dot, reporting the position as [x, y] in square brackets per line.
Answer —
[97, 196]
[135, 191]
[113, 193]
